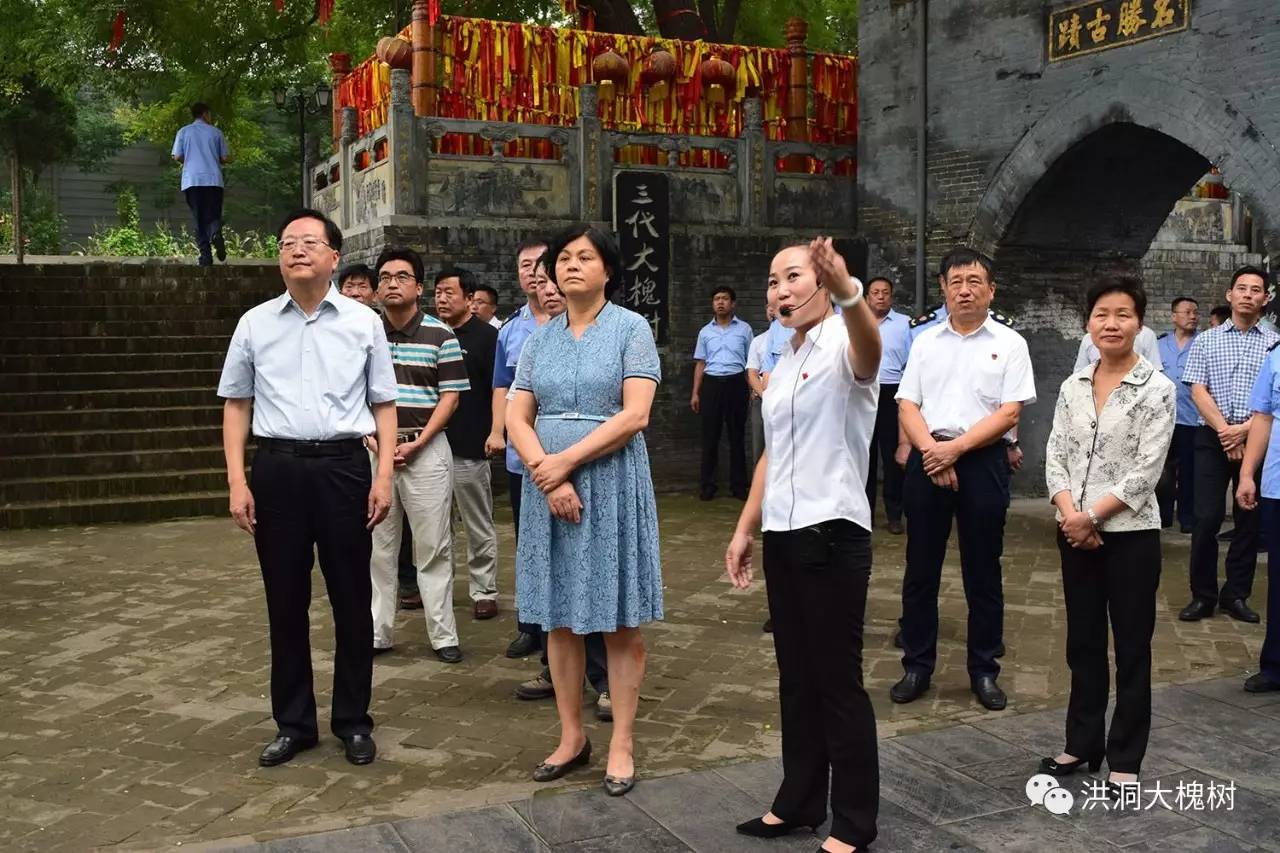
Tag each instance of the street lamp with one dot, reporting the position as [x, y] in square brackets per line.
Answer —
[305, 101]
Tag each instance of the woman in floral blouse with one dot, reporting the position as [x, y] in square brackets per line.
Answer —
[1111, 431]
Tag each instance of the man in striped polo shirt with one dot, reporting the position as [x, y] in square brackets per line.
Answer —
[430, 374]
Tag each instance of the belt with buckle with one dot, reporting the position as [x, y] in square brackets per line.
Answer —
[336, 447]
[937, 436]
[571, 416]
[404, 437]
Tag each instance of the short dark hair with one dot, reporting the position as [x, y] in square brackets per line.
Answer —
[466, 278]
[1181, 299]
[1129, 285]
[198, 109]
[531, 243]
[1221, 313]
[963, 256]
[357, 271]
[1250, 269]
[885, 279]
[603, 241]
[724, 288]
[545, 261]
[332, 233]
[492, 291]
[401, 253]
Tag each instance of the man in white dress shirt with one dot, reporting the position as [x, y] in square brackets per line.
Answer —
[963, 390]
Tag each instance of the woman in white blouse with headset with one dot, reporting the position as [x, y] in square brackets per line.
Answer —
[809, 497]
[1111, 431]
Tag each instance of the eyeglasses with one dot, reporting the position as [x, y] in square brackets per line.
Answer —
[310, 244]
[398, 278]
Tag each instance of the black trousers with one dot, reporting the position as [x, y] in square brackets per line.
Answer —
[1177, 480]
[306, 503]
[206, 212]
[1214, 472]
[1269, 660]
[884, 443]
[725, 401]
[979, 509]
[816, 579]
[1118, 580]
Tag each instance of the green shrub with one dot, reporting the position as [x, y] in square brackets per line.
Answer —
[41, 223]
[130, 239]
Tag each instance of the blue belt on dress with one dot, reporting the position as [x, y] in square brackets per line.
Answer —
[572, 416]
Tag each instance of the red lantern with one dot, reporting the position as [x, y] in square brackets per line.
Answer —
[610, 70]
[657, 72]
[395, 51]
[719, 80]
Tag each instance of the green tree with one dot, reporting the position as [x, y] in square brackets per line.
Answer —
[37, 126]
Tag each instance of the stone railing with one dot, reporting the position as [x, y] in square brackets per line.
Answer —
[395, 172]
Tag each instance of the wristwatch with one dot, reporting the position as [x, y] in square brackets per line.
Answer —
[852, 300]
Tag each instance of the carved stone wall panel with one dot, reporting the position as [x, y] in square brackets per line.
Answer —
[371, 193]
[704, 199]
[805, 201]
[509, 190]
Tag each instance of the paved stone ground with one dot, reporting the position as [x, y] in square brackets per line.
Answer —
[958, 788]
[133, 673]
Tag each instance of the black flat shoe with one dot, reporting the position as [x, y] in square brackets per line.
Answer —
[989, 693]
[616, 786]
[1053, 768]
[1115, 790]
[910, 688]
[999, 650]
[1260, 683]
[360, 749]
[897, 639]
[1239, 611]
[757, 828]
[449, 654]
[284, 748]
[522, 646]
[1195, 611]
[545, 772]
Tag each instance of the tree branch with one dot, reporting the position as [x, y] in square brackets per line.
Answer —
[728, 25]
[616, 16]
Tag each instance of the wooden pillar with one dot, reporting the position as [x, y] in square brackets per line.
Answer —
[423, 37]
[339, 68]
[797, 107]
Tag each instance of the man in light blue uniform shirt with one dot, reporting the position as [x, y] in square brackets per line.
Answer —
[1264, 444]
[720, 392]
[1177, 476]
[895, 345]
[202, 149]
[511, 339]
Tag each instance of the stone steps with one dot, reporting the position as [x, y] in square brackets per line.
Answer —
[108, 380]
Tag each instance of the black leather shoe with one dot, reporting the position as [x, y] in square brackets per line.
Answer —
[1238, 610]
[545, 772]
[616, 786]
[767, 627]
[1260, 683]
[897, 639]
[999, 650]
[757, 828]
[1195, 611]
[360, 749]
[989, 693]
[522, 646]
[449, 654]
[910, 688]
[284, 748]
[1186, 528]
[895, 527]
[1053, 768]
[1227, 535]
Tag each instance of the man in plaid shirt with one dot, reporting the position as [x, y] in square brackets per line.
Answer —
[1221, 369]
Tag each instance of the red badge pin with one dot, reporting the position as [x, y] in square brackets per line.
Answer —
[804, 376]
[993, 356]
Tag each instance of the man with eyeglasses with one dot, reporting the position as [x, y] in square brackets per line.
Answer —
[1177, 476]
[484, 304]
[315, 371]
[430, 374]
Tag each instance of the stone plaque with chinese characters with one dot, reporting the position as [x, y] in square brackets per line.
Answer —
[1086, 28]
[642, 221]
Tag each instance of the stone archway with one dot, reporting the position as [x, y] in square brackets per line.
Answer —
[1086, 189]
[1215, 129]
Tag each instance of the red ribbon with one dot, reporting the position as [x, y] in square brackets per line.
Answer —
[117, 32]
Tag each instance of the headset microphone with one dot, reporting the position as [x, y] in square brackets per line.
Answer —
[788, 311]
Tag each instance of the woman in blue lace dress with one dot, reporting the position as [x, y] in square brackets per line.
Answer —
[588, 553]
